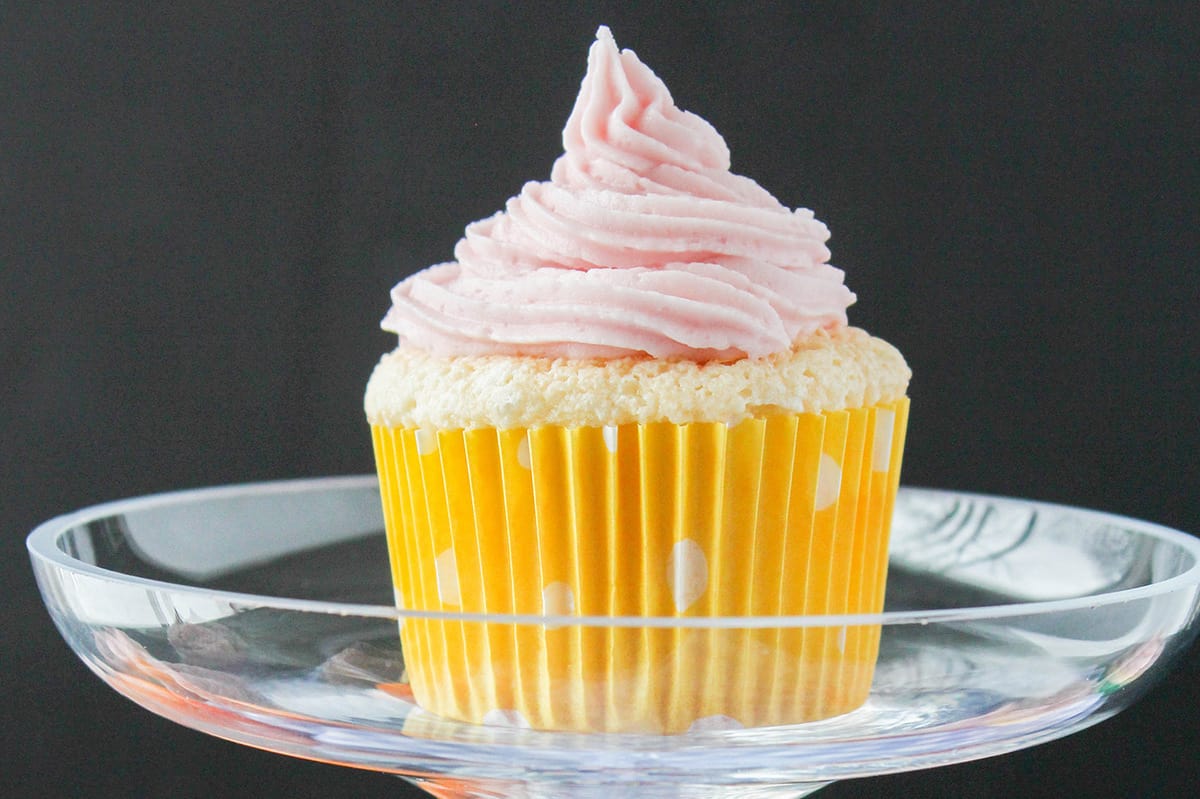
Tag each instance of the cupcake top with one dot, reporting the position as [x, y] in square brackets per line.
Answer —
[827, 370]
[643, 282]
[641, 243]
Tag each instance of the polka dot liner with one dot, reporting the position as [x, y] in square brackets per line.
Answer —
[781, 515]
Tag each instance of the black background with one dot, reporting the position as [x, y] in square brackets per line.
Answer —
[202, 208]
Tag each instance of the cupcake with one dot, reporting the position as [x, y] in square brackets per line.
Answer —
[634, 393]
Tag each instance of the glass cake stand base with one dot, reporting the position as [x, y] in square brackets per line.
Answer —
[262, 614]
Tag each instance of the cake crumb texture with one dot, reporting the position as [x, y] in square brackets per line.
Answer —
[847, 368]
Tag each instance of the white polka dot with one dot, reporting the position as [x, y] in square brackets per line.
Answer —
[558, 600]
[687, 573]
[610, 437]
[881, 454]
[426, 441]
[523, 454]
[506, 718]
[446, 568]
[841, 640]
[829, 482]
[416, 717]
[715, 723]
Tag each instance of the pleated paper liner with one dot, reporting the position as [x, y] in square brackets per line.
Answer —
[783, 515]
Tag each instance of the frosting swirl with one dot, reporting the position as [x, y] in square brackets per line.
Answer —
[641, 242]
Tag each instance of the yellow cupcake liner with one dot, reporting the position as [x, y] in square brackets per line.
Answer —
[782, 515]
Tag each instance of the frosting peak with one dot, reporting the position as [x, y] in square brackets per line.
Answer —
[641, 242]
[624, 115]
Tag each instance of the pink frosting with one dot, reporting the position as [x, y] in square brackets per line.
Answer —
[642, 242]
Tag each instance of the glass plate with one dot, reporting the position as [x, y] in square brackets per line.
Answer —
[263, 614]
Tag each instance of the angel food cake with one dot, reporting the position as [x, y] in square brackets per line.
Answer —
[634, 392]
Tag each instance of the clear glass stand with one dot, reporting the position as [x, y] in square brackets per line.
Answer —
[263, 614]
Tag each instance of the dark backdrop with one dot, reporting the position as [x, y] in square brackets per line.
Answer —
[202, 209]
